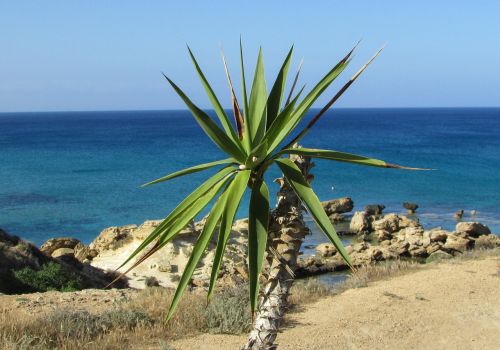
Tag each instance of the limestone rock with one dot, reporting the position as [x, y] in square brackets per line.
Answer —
[62, 252]
[473, 229]
[336, 218]
[438, 235]
[54, 244]
[338, 206]
[113, 237]
[84, 253]
[374, 209]
[411, 207]
[360, 223]
[455, 243]
[326, 249]
[389, 223]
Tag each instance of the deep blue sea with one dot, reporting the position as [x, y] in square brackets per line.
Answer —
[76, 173]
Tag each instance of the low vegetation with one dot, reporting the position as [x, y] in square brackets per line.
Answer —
[140, 321]
[51, 276]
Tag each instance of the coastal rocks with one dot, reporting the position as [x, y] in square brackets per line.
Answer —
[336, 218]
[473, 229]
[84, 253]
[16, 254]
[63, 252]
[437, 235]
[116, 244]
[54, 244]
[411, 207]
[326, 249]
[360, 223]
[387, 226]
[456, 243]
[113, 237]
[338, 206]
[374, 209]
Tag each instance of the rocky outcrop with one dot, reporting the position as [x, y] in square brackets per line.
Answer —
[326, 249]
[338, 206]
[54, 244]
[114, 245]
[360, 223]
[411, 207]
[473, 229]
[374, 209]
[396, 236]
[16, 254]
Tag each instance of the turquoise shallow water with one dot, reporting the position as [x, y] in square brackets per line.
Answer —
[77, 173]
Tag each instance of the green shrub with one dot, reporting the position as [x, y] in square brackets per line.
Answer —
[51, 276]
[84, 325]
[228, 312]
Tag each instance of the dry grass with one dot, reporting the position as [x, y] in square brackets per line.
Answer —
[138, 323]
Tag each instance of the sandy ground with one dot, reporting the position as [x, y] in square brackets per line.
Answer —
[453, 305]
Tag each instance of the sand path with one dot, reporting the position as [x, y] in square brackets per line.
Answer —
[453, 305]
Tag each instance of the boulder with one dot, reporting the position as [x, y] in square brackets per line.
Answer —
[438, 235]
[389, 223]
[411, 207]
[433, 247]
[417, 251]
[360, 223]
[54, 244]
[84, 253]
[338, 206]
[455, 243]
[63, 252]
[374, 209]
[113, 237]
[473, 229]
[326, 249]
[335, 218]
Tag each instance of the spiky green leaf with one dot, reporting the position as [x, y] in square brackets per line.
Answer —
[283, 119]
[246, 132]
[313, 95]
[257, 105]
[310, 200]
[278, 90]
[221, 114]
[224, 142]
[343, 157]
[200, 246]
[258, 222]
[193, 169]
[234, 196]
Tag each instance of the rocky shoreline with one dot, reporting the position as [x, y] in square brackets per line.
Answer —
[376, 237]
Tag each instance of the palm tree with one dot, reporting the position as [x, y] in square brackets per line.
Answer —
[258, 139]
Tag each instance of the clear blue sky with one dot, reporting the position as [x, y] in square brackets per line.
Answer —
[108, 55]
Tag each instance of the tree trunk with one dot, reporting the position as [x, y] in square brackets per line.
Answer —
[287, 231]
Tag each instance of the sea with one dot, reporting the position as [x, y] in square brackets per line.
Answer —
[76, 173]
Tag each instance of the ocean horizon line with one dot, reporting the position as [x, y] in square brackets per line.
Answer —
[230, 109]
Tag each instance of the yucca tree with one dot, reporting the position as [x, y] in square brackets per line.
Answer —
[258, 140]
